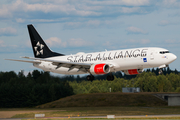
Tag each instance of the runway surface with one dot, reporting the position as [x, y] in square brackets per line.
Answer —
[129, 116]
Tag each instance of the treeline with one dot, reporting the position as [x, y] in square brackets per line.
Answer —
[147, 81]
[38, 87]
[18, 90]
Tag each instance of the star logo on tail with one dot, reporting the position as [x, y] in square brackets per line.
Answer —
[39, 49]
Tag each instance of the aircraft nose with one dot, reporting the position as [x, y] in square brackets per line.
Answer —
[172, 57]
[175, 57]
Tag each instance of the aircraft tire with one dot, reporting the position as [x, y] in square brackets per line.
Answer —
[90, 77]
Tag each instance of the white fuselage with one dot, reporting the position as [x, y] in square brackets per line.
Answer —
[119, 60]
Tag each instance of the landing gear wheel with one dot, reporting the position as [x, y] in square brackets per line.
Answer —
[90, 78]
[110, 77]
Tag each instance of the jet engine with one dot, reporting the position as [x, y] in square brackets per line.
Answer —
[133, 71]
[98, 69]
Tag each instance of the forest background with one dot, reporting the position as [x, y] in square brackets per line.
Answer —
[38, 87]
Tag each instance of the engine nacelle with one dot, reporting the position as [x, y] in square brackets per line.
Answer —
[133, 71]
[98, 69]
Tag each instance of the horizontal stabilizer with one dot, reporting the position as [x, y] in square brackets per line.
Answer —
[24, 61]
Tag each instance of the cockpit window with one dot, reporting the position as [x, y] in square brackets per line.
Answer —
[163, 52]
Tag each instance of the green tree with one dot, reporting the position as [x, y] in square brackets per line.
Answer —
[116, 85]
[178, 89]
[164, 85]
[174, 79]
[36, 74]
[94, 89]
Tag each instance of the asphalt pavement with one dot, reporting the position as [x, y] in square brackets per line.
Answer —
[128, 116]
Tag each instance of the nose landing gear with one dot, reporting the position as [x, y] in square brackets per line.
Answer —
[160, 71]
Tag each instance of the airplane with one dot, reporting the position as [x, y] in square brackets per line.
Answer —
[130, 61]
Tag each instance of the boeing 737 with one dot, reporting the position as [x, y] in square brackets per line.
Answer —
[130, 61]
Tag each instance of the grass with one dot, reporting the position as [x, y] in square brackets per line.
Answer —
[106, 99]
[103, 111]
[102, 104]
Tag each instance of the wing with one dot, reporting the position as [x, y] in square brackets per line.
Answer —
[71, 65]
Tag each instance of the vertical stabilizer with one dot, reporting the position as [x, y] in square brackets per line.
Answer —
[39, 47]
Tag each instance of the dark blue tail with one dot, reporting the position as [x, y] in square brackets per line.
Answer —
[39, 47]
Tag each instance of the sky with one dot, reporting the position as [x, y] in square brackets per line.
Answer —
[72, 26]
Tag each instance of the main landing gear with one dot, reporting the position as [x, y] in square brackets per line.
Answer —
[90, 78]
[109, 77]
